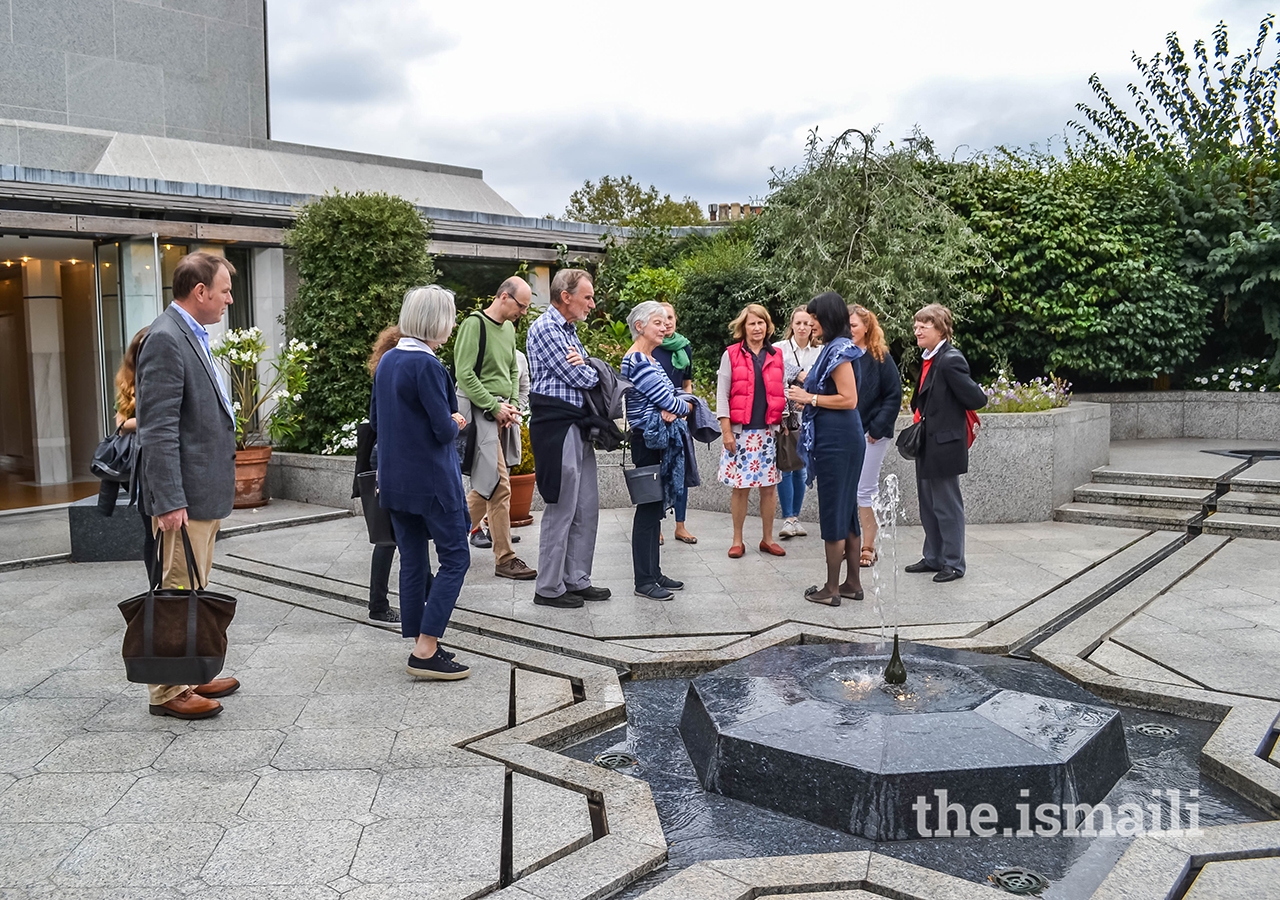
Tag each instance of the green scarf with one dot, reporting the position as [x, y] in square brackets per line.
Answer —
[676, 345]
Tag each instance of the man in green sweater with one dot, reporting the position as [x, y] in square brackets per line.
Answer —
[487, 394]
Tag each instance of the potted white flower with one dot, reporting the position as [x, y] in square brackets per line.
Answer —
[240, 351]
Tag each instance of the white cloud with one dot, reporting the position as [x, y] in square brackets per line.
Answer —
[698, 97]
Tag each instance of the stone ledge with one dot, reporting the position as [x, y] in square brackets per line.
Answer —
[1143, 415]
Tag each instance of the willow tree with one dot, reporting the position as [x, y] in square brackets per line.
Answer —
[873, 225]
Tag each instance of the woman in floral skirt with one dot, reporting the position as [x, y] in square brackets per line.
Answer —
[750, 399]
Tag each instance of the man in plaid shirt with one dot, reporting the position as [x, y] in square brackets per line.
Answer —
[559, 374]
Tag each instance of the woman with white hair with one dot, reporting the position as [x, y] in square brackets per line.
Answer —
[652, 394]
[414, 414]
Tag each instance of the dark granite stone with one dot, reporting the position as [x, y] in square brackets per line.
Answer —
[99, 538]
[814, 732]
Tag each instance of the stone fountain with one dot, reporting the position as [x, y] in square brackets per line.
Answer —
[880, 744]
[814, 731]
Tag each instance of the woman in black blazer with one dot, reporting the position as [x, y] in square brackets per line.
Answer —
[942, 400]
[879, 402]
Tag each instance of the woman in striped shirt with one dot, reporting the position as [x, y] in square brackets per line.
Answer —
[652, 393]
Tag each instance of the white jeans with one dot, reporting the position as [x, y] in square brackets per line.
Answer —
[869, 483]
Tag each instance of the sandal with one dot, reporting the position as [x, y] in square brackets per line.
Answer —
[869, 557]
[736, 551]
[686, 539]
[661, 540]
[811, 594]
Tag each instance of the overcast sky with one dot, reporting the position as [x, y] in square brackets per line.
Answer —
[697, 97]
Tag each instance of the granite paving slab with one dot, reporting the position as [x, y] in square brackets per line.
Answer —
[1236, 878]
[1183, 456]
[1008, 566]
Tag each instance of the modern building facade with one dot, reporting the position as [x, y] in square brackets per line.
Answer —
[132, 133]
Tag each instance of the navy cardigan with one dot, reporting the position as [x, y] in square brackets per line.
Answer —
[413, 399]
[879, 394]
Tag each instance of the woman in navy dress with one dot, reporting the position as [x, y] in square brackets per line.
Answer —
[832, 439]
[414, 414]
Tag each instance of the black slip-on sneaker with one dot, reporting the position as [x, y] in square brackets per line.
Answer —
[385, 615]
[670, 583]
[654, 592]
[592, 593]
[438, 667]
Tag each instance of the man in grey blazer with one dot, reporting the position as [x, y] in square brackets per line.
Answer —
[187, 447]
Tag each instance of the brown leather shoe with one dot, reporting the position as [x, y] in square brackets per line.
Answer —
[219, 687]
[188, 705]
[515, 568]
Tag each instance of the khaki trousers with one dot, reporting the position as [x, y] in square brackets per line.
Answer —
[174, 559]
[498, 509]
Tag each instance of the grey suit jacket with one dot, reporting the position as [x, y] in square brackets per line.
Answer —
[186, 437]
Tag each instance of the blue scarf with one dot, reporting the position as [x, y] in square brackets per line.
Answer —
[840, 350]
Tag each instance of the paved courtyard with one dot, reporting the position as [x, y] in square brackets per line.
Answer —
[332, 773]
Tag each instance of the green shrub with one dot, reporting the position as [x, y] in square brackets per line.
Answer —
[1084, 269]
[720, 278]
[356, 256]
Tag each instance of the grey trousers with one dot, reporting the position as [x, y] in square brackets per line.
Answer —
[942, 515]
[567, 536]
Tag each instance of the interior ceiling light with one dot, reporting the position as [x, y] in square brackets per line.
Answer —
[26, 259]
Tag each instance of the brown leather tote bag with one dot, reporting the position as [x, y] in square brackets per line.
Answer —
[173, 635]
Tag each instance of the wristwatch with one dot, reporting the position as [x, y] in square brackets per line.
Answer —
[814, 401]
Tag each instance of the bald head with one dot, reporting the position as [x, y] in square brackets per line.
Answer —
[512, 300]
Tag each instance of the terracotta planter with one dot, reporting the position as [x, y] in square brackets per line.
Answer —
[251, 477]
[521, 499]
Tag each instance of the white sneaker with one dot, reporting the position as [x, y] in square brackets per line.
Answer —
[788, 528]
[797, 529]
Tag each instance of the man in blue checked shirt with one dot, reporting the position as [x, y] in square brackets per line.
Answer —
[564, 461]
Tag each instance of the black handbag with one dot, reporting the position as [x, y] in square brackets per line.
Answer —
[175, 635]
[466, 440]
[911, 440]
[644, 483]
[376, 518]
[113, 460]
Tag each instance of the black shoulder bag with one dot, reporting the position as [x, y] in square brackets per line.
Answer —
[467, 436]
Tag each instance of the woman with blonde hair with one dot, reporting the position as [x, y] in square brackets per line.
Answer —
[799, 351]
[127, 421]
[750, 399]
[879, 401]
[367, 461]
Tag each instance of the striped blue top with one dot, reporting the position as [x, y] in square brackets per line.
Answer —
[650, 388]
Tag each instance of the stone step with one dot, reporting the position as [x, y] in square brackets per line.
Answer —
[1242, 525]
[1249, 503]
[1153, 496]
[1108, 475]
[1125, 516]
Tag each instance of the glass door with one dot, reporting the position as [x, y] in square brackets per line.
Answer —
[129, 298]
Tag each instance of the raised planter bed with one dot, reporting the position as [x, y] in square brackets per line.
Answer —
[1022, 466]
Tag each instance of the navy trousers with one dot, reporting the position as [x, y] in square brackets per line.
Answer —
[426, 600]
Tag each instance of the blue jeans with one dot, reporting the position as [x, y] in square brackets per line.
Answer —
[682, 502]
[426, 601]
[791, 494]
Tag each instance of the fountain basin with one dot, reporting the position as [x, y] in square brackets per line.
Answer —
[812, 731]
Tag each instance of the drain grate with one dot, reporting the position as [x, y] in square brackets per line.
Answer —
[616, 759]
[1017, 880]
[1155, 729]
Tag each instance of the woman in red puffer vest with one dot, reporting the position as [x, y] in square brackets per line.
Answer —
[750, 399]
